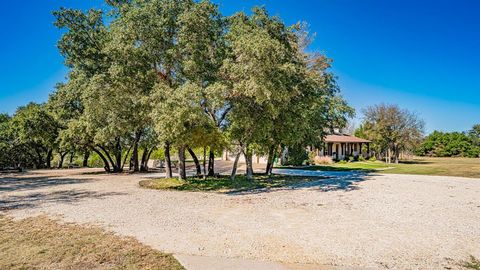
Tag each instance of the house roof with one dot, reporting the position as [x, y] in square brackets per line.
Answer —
[344, 138]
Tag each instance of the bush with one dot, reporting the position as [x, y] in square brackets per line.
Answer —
[361, 158]
[342, 162]
[372, 158]
[351, 158]
[311, 157]
[318, 160]
[297, 155]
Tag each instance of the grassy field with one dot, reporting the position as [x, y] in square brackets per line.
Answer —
[466, 167]
[40, 243]
[225, 184]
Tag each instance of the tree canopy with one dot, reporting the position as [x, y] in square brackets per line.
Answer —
[391, 129]
[177, 75]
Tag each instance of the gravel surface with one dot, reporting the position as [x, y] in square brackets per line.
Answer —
[377, 221]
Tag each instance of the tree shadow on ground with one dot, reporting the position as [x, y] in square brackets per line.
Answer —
[33, 200]
[324, 184]
[415, 162]
[30, 183]
[261, 183]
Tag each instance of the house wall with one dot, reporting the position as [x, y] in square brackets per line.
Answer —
[344, 150]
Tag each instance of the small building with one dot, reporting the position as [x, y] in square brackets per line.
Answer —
[338, 146]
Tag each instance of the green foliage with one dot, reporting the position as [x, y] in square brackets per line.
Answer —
[297, 155]
[225, 184]
[31, 135]
[449, 144]
[150, 73]
[391, 129]
[472, 263]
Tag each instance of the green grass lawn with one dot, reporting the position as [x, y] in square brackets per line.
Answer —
[224, 184]
[466, 167]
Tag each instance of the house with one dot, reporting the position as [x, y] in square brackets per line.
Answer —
[337, 145]
[340, 146]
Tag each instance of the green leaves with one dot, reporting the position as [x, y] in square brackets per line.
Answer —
[178, 71]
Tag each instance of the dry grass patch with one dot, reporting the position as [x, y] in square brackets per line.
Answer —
[472, 263]
[41, 243]
[463, 167]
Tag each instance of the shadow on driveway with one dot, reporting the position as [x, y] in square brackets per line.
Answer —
[32, 200]
[35, 182]
[327, 181]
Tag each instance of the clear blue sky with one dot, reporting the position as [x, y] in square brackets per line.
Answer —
[422, 55]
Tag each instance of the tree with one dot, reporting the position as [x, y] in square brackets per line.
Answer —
[35, 130]
[181, 120]
[391, 129]
[475, 134]
[177, 73]
[448, 144]
[281, 94]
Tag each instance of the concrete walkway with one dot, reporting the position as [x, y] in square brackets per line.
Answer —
[191, 262]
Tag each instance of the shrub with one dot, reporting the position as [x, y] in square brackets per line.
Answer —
[318, 160]
[342, 162]
[297, 155]
[361, 158]
[351, 158]
[372, 158]
[311, 157]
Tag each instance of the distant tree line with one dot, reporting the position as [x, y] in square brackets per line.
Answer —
[451, 144]
[176, 75]
[395, 131]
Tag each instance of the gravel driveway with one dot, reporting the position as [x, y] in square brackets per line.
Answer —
[377, 221]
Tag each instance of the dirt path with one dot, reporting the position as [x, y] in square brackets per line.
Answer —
[378, 221]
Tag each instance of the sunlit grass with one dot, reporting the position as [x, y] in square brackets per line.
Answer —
[465, 167]
[41, 243]
[225, 184]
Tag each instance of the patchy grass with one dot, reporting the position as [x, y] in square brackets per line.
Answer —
[41, 243]
[465, 167]
[473, 263]
[225, 184]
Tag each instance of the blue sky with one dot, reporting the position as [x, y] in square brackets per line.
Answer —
[421, 55]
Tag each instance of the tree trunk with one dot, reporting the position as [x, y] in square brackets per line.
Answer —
[60, 161]
[182, 174]
[274, 155]
[86, 155]
[270, 158]
[105, 161]
[248, 160]
[39, 162]
[204, 162]
[195, 159]
[125, 159]
[49, 158]
[118, 157]
[107, 157]
[135, 164]
[235, 165]
[211, 163]
[143, 162]
[72, 155]
[168, 162]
